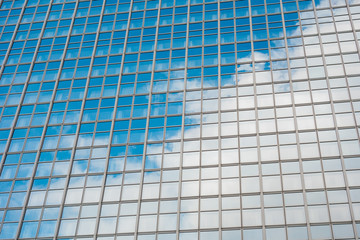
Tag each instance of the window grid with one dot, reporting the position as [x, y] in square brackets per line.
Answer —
[263, 108]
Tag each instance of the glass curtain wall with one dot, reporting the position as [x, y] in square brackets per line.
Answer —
[180, 119]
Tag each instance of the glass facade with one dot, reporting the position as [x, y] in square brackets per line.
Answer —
[180, 119]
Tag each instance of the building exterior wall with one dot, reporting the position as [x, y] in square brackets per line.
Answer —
[180, 119]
